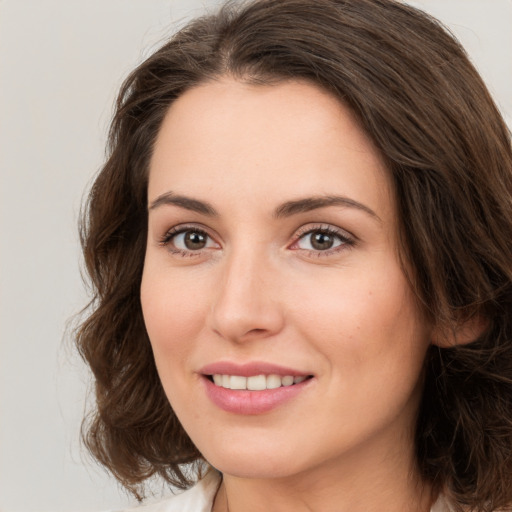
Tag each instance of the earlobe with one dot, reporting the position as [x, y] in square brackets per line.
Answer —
[466, 332]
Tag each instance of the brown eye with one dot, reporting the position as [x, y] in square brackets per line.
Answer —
[191, 240]
[194, 240]
[322, 241]
[318, 240]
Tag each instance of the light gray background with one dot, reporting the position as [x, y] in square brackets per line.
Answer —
[61, 63]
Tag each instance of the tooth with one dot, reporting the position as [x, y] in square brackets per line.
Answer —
[238, 382]
[257, 383]
[273, 381]
[287, 380]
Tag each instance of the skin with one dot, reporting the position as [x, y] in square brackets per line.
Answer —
[260, 291]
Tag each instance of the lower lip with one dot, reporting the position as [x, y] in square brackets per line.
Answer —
[252, 402]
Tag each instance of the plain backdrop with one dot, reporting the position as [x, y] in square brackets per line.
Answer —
[61, 63]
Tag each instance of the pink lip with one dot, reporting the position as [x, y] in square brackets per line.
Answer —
[249, 369]
[251, 402]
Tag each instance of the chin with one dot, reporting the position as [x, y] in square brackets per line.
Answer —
[254, 461]
[254, 469]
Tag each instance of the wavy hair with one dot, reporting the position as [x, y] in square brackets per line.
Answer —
[449, 156]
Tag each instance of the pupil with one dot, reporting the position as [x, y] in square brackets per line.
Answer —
[194, 240]
[322, 241]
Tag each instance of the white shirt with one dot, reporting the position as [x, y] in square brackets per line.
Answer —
[199, 498]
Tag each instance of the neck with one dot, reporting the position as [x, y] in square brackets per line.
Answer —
[377, 482]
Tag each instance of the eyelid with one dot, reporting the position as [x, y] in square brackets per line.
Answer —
[166, 238]
[323, 226]
[347, 238]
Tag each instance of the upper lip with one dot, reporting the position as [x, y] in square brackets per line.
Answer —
[249, 369]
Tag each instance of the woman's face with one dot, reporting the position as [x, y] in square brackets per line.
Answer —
[271, 259]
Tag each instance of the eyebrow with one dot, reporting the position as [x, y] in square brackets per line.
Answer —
[313, 203]
[188, 203]
[284, 210]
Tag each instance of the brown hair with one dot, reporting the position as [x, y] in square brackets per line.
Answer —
[449, 155]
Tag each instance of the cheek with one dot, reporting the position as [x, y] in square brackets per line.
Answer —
[172, 316]
[364, 319]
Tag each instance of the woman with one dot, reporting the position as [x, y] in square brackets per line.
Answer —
[300, 248]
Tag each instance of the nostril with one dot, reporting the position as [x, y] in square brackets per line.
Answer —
[256, 331]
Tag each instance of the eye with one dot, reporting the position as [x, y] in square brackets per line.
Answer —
[186, 240]
[324, 239]
[190, 240]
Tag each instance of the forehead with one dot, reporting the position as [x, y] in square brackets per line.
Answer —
[260, 142]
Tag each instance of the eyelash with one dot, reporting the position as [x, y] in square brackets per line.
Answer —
[347, 241]
[166, 240]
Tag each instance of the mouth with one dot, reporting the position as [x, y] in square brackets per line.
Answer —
[255, 387]
[260, 382]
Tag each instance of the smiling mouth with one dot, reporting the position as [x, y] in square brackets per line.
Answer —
[256, 382]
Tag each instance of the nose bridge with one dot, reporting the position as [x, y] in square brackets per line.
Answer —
[246, 304]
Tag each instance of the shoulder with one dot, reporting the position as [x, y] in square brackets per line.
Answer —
[198, 498]
[441, 505]
[444, 505]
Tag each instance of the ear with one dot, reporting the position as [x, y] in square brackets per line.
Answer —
[464, 333]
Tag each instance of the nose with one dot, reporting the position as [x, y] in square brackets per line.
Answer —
[246, 305]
